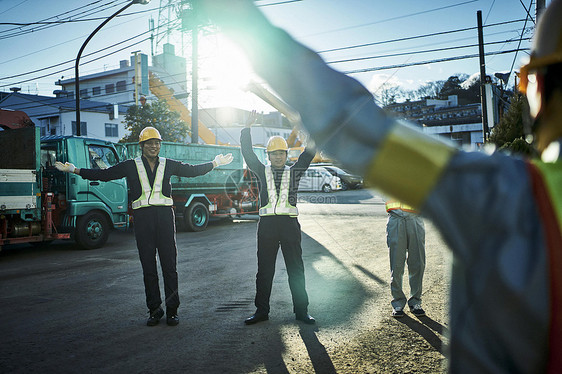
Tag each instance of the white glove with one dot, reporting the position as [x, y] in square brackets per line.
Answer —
[222, 160]
[67, 167]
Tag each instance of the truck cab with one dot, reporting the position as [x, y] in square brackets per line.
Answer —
[38, 203]
[91, 208]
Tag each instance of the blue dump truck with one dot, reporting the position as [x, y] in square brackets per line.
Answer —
[38, 203]
[227, 191]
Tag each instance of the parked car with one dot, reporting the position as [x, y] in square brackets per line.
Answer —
[348, 181]
[319, 179]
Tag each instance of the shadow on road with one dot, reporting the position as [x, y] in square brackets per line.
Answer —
[319, 357]
[371, 275]
[425, 327]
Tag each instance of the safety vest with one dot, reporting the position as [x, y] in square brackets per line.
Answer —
[151, 196]
[547, 186]
[278, 203]
[395, 204]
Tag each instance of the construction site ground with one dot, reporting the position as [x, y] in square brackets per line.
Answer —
[66, 310]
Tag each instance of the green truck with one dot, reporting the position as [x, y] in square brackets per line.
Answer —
[38, 203]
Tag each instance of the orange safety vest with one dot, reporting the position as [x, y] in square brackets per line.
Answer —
[395, 204]
[546, 179]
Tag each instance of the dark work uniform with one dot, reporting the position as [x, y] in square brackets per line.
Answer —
[154, 225]
[278, 230]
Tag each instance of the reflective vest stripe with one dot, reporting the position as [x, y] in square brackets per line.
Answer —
[394, 205]
[278, 204]
[408, 164]
[546, 180]
[151, 196]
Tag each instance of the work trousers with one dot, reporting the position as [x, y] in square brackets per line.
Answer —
[284, 231]
[405, 235]
[155, 231]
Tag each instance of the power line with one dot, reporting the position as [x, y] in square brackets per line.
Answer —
[398, 66]
[72, 60]
[394, 18]
[424, 51]
[416, 37]
[74, 20]
[279, 3]
[521, 38]
[20, 32]
[87, 62]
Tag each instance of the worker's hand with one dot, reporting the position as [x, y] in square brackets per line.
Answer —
[251, 119]
[67, 167]
[222, 159]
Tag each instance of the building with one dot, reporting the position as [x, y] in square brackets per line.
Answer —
[117, 86]
[57, 115]
[460, 123]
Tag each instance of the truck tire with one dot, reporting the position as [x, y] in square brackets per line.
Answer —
[196, 216]
[327, 188]
[92, 230]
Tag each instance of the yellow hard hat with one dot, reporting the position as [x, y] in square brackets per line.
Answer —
[277, 143]
[547, 43]
[149, 133]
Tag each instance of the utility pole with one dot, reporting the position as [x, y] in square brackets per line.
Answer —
[485, 129]
[538, 10]
[194, 74]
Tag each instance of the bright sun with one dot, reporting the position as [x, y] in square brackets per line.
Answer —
[224, 73]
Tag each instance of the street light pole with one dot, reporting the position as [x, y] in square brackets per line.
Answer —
[76, 73]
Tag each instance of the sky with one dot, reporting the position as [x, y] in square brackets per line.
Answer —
[358, 37]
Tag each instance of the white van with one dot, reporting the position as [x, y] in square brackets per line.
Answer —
[317, 178]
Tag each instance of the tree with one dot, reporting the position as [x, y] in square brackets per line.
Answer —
[429, 89]
[156, 114]
[509, 134]
[387, 94]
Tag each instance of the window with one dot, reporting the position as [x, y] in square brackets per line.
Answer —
[102, 157]
[121, 86]
[96, 90]
[48, 157]
[111, 130]
[83, 128]
[84, 92]
[109, 88]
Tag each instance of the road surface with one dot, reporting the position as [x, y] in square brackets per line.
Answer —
[66, 310]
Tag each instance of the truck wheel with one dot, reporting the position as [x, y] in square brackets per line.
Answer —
[92, 230]
[196, 217]
[326, 188]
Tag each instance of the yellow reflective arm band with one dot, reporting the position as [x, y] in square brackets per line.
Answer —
[408, 165]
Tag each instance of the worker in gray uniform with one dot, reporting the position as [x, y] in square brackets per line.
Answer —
[148, 178]
[500, 215]
[405, 237]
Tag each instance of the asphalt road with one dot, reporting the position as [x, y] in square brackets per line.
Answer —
[66, 310]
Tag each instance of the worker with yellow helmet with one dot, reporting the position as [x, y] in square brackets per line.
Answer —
[500, 215]
[148, 178]
[278, 224]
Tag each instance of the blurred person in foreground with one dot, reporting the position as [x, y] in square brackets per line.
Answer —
[500, 215]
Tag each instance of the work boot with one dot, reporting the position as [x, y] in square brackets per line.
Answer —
[417, 310]
[257, 317]
[172, 318]
[306, 318]
[397, 312]
[155, 316]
